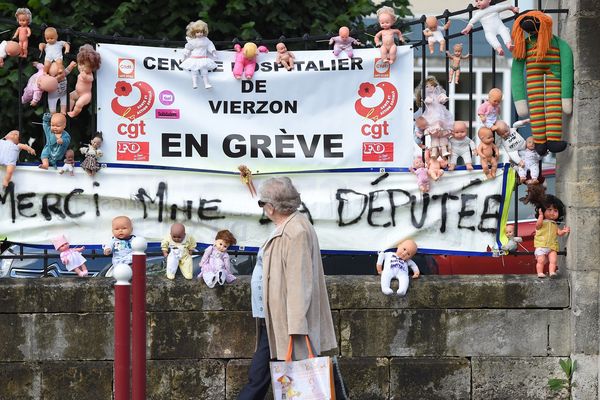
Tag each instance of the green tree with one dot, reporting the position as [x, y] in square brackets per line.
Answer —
[242, 19]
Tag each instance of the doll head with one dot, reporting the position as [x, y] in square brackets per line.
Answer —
[97, 141]
[485, 135]
[58, 122]
[536, 23]
[431, 23]
[509, 231]
[60, 243]
[482, 4]
[69, 156]
[23, 16]
[50, 35]
[529, 143]
[250, 50]
[88, 59]
[406, 249]
[281, 48]
[386, 17]
[12, 48]
[223, 240]
[177, 232]
[552, 207]
[421, 123]
[457, 49]
[344, 32]
[121, 227]
[196, 29]
[443, 162]
[502, 129]
[418, 163]
[459, 131]
[495, 97]
[13, 136]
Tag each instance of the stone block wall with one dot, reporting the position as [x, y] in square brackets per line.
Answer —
[452, 337]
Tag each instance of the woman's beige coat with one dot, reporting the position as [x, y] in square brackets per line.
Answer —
[295, 294]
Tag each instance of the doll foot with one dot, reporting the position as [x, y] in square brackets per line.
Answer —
[470, 167]
[556, 146]
[387, 291]
[541, 148]
[553, 275]
[207, 86]
[541, 275]
[61, 172]
[237, 76]
[72, 114]
[5, 183]
[500, 51]
[72, 174]
[194, 86]
[42, 166]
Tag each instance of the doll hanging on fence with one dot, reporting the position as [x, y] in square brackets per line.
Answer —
[199, 53]
[88, 62]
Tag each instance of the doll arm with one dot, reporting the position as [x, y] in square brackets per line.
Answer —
[84, 150]
[191, 244]
[70, 67]
[263, 49]
[521, 123]
[427, 32]
[205, 256]
[99, 153]
[496, 151]
[237, 48]
[42, 46]
[79, 249]
[46, 126]
[566, 76]
[27, 148]
[67, 47]
[378, 38]
[480, 151]
[447, 25]
[380, 261]
[563, 231]
[540, 220]
[471, 144]
[415, 269]
[164, 246]
[107, 248]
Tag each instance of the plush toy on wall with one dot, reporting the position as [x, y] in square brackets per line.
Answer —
[542, 79]
[245, 59]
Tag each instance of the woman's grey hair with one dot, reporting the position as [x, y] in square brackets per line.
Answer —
[281, 193]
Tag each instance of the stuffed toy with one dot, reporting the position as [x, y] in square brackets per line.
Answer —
[199, 53]
[395, 265]
[23, 16]
[178, 247]
[8, 48]
[245, 59]
[542, 79]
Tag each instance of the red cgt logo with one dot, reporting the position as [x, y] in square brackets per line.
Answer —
[133, 151]
[378, 151]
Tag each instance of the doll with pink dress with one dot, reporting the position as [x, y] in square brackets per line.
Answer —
[215, 265]
[489, 110]
[199, 53]
[435, 112]
[70, 257]
[32, 94]
[23, 16]
[418, 168]
[245, 59]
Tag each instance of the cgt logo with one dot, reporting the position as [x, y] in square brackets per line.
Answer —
[388, 103]
[144, 104]
[126, 68]
[378, 151]
[133, 151]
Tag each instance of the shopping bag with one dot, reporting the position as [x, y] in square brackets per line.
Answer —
[310, 379]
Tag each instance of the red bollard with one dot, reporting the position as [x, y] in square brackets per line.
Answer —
[122, 274]
[138, 320]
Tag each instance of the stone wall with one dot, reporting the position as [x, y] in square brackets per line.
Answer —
[452, 337]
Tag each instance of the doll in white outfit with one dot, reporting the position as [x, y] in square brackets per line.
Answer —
[69, 163]
[215, 264]
[178, 247]
[461, 146]
[492, 24]
[511, 141]
[53, 49]
[531, 162]
[434, 34]
[395, 265]
[71, 257]
[9, 154]
[199, 53]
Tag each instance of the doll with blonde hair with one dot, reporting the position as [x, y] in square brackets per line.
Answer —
[23, 16]
[386, 16]
[199, 53]
[455, 58]
[88, 61]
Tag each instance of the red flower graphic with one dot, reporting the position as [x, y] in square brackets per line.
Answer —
[366, 89]
[122, 88]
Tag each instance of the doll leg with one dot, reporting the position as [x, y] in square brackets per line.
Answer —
[47, 64]
[172, 264]
[539, 265]
[392, 53]
[185, 265]
[194, 79]
[8, 176]
[492, 40]
[505, 35]
[444, 147]
[534, 171]
[204, 74]
[221, 275]
[456, 76]
[552, 258]
[81, 102]
[386, 280]
[350, 52]
[403, 281]
[485, 167]
[466, 156]
[442, 45]
[383, 51]
[554, 115]
[27, 96]
[249, 70]
[210, 278]
[522, 174]
[336, 50]
[494, 167]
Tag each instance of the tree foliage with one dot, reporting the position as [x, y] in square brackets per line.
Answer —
[257, 20]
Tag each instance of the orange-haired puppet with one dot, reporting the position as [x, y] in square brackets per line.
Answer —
[542, 79]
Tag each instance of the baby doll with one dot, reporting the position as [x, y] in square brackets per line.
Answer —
[455, 58]
[435, 111]
[343, 42]
[492, 24]
[120, 244]
[71, 257]
[511, 141]
[32, 92]
[488, 152]
[245, 59]
[178, 247]
[60, 94]
[439, 139]
[9, 154]
[418, 168]
[513, 240]
[530, 161]
[461, 146]
[550, 212]
[435, 167]
[434, 34]
[215, 267]
[23, 32]
[489, 110]
[69, 164]
[395, 265]
[88, 61]
[53, 49]
[57, 139]
[8, 48]
[284, 57]
[385, 37]
[419, 132]
[92, 153]
[199, 53]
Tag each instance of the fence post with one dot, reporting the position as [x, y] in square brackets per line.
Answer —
[122, 359]
[138, 323]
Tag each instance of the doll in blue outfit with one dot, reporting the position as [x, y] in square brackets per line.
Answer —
[120, 244]
[57, 139]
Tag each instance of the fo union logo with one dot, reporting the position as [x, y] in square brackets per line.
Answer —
[126, 68]
[378, 151]
[133, 151]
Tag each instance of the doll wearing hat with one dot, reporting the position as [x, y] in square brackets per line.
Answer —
[70, 257]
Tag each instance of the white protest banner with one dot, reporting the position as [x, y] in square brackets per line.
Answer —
[328, 113]
[351, 211]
